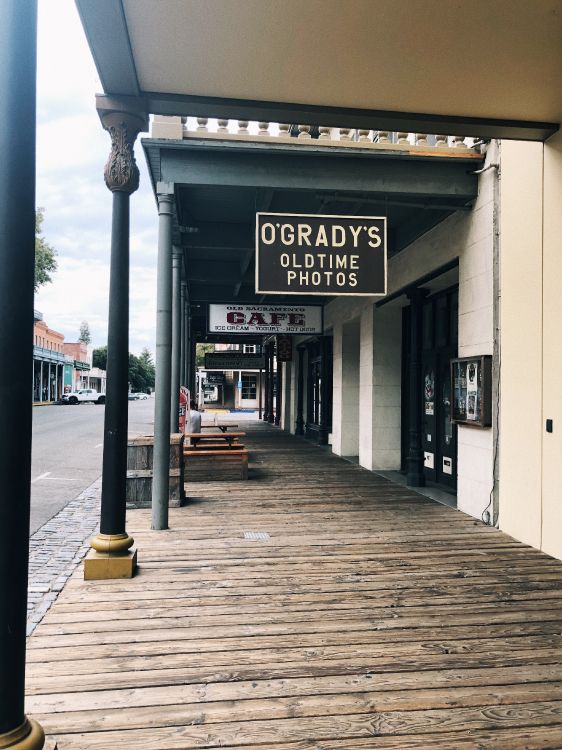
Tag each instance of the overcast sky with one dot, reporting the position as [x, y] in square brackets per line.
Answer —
[72, 149]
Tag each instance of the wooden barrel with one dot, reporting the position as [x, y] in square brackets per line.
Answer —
[140, 450]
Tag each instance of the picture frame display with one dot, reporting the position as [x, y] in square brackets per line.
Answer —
[471, 388]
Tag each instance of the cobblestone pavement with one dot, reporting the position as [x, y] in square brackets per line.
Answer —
[57, 548]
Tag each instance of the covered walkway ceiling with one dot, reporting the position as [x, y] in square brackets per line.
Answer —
[220, 184]
[491, 68]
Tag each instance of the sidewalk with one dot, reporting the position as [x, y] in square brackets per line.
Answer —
[317, 606]
[57, 548]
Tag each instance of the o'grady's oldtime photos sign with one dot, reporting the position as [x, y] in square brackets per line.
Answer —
[315, 254]
[265, 319]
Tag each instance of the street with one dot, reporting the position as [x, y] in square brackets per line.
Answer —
[67, 452]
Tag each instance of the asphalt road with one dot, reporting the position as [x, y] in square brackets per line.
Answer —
[67, 452]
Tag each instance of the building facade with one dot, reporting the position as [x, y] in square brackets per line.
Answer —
[49, 362]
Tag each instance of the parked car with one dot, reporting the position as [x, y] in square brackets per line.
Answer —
[83, 395]
[140, 395]
[133, 396]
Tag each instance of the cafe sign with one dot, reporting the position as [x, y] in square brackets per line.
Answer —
[321, 254]
[265, 319]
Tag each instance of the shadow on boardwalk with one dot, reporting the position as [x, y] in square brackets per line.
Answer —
[357, 615]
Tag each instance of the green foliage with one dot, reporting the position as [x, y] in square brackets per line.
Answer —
[141, 369]
[99, 358]
[85, 335]
[200, 353]
[45, 261]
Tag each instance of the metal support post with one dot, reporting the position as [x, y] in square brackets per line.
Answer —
[260, 395]
[279, 388]
[176, 339]
[299, 426]
[111, 556]
[414, 460]
[161, 461]
[18, 34]
[182, 334]
[325, 395]
[270, 407]
[193, 360]
[266, 385]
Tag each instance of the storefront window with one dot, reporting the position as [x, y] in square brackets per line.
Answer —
[249, 387]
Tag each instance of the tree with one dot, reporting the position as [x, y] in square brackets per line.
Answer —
[99, 358]
[147, 364]
[45, 261]
[141, 369]
[85, 335]
[200, 351]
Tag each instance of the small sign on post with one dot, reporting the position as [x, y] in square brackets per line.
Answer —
[284, 348]
[321, 255]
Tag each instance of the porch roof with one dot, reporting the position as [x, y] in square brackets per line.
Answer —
[221, 183]
[491, 68]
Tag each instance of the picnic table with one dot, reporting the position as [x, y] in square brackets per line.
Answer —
[198, 439]
[222, 426]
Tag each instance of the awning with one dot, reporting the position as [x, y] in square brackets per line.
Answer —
[491, 68]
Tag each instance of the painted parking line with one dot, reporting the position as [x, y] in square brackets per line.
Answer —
[61, 479]
[41, 476]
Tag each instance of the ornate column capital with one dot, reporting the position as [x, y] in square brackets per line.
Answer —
[123, 121]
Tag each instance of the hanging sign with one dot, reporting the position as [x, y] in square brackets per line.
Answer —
[265, 319]
[233, 361]
[284, 348]
[316, 254]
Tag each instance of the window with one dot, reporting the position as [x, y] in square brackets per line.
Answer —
[249, 348]
[249, 387]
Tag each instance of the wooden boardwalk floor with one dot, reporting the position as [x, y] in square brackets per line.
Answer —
[370, 618]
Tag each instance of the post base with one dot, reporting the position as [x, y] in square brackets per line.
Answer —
[102, 566]
[28, 736]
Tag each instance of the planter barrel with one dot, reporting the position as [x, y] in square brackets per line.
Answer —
[140, 450]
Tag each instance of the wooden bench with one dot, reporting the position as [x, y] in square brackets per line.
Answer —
[224, 464]
[213, 446]
[229, 438]
[222, 426]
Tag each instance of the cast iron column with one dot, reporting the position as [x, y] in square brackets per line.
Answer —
[299, 426]
[183, 358]
[176, 339]
[271, 410]
[279, 388]
[122, 178]
[414, 461]
[325, 395]
[266, 385]
[161, 460]
[193, 363]
[18, 34]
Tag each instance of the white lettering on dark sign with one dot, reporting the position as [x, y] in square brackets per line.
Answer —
[315, 254]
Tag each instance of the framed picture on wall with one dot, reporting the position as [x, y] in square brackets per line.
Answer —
[471, 388]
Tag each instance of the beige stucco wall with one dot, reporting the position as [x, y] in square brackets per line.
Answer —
[552, 347]
[345, 401]
[468, 236]
[521, 278]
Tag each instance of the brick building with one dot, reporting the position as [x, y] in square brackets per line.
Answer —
[49, 361]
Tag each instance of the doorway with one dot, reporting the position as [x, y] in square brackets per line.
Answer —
[439, 344]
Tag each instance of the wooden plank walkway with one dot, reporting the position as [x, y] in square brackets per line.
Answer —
[370, 618]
